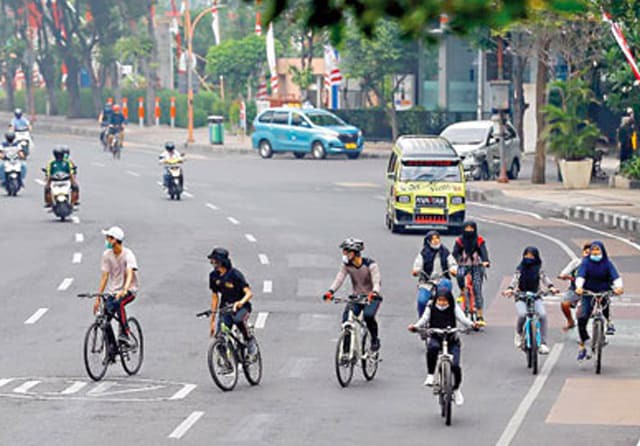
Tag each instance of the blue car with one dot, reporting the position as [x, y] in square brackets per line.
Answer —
[303, 131]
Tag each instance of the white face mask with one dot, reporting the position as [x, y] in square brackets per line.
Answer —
[442, 307]
[345, 260]
[435, 246]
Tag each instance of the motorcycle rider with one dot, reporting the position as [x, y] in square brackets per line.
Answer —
[9, 142]
[56, 165]
[104, 119]
[169, 155]
[117, 123]
[365, 279]
[434, 260]
[19, 123]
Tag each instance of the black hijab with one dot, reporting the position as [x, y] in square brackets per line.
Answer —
[470, 238]
[529, 270]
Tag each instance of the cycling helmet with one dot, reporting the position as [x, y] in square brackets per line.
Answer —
[352, 244]
[170, 146]
[116, 108]
[10, 137]
[18, 113]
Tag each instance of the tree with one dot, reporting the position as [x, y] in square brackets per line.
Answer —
[381, 62]
[11, 52]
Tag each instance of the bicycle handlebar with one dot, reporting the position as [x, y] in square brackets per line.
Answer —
[225, 309]
[92, 295]
[205, 313]
[353, 298]
[597, 295]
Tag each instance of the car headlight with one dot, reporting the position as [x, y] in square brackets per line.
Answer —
[359, 133]
[403, 199]
[457, 200]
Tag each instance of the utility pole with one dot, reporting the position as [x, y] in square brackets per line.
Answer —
[503, 162]
[187, 26]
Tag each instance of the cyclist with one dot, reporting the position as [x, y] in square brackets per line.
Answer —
[365, 279]
[443, 312]
[529, 277]
[433, 261]
[170, 154]
[119, 277]
[116, 125]
[596, 274]
[228, 286]
[571, 299]
[470, 251]
[104, 119]
[61, 163]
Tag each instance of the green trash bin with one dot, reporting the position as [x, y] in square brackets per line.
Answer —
[216, 130]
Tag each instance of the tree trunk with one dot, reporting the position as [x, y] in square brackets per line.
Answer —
[539, 165]
[519, 104]
[73, 88]
[150, 66]
[48, 71]
[96, 84]
[117, 88]
[10, 88]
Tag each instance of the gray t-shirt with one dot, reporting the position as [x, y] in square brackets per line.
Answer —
[117, 267]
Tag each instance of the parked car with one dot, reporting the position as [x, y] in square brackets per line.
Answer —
[303, 131]
[480, 150]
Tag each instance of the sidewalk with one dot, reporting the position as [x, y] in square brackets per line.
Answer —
[613, 208]
[157, 136]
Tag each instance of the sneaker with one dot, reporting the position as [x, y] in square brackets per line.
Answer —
[517, 340]
[458, 398]
[252, 347]
[583, 353]
[429, 381]
[123, 339]
[481, 322]
[375, 344]
[543, 349]
[611, 329]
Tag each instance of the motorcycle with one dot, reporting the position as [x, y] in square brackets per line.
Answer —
[174, 186]
[12, 170]
[61, 195]
[24, 140]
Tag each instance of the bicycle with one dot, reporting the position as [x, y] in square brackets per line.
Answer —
[114, 142]
[467, 299]
[228, 350]
[443, 382]
[354, 344]
[599, 302]
[531, 337]
[101, 347]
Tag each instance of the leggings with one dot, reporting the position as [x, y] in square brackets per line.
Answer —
[433, 349]
[370, 311]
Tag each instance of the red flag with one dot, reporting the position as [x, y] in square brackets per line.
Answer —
[622, 43]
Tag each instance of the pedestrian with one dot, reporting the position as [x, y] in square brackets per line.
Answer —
[626, 137]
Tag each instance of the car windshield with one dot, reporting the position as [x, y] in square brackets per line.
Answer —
[450, 174]
[325, 119]
[462, 135]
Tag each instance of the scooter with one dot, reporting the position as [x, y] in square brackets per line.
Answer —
[12, 170]
[24, 140]
[61, 195]
[174, 188]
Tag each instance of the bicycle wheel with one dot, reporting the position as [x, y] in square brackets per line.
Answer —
[533, 348]
[223, 365]
[344, 364]
[131, 356]
[252, 366]
[369, 358]
[447, 391]
[596, 343]
[96, 352]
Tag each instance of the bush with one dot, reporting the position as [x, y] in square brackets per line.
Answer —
[631, 168]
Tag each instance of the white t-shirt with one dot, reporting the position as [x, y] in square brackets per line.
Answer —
[117, 267]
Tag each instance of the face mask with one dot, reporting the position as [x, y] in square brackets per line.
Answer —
[435, 246]
[528, 261]
[468, 234]
[345, 260]
[596, 258]
[442, 307]
[108, 245]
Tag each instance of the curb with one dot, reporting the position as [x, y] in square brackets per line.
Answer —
[609, 219]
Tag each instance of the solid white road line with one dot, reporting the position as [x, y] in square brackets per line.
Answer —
[37, 315]
[79, 238]
[74, 388]
[133, 174]
[182, 393]
[518, 417]
[213, 207]
[250, 238]
[26, 386]
[75, 219]
[596, 231]
[558, 242]
[5, 381]
[77, 257]
[97, 164]
[40, 182]
[183, 427]
[66, 283]
[261, 320]
[267, 287]
[233, 220]
[501, 208]
[187, 194]
[263, 259]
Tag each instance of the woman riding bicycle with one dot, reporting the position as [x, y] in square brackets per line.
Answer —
[596, 274]
[528, 278]
[442, 312]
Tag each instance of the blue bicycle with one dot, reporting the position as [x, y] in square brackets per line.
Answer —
[531, 337]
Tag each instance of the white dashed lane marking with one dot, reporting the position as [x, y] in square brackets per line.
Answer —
[261, 320]
[40, 182]
[97, 164]
[5, 381]
[187, 194]
[183, 427]
[233, 220]
[79, 238]
[75, 219]
[66, 283]
[213, 207]
[25, 387]
[74, 388]
[77, 257]
[267, 287]
[182, 393]
[133, 174]
[264, 260]
[37, 315]
[250, 238]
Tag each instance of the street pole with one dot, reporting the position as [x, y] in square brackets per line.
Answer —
[503, 163]
[187, 12]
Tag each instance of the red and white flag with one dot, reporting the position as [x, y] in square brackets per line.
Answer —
[271, 59]
[332, 74]
[243, 115]
[258, 24]
[622, 42]
[262, 87]
[215, 23]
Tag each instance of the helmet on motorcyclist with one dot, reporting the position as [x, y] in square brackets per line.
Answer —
[352, 244]
[10, 137]
[58, 153]
[18, 113]
[169, 146]
[116, 108]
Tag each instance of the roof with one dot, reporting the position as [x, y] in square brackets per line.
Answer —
[421, 146]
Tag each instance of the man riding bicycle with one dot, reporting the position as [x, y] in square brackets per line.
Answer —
[433, 261]
[229, 287]
[470, 251]
[365, 279]
[571, 299]
[116, 126]
[596, 274]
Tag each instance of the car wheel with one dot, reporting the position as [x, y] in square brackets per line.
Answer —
[353, 156]
[514, 171]
[299, 155]
[265, 149]
[317, 150]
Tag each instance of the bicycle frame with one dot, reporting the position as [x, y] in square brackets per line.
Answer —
[531, 318]
[469, 296]
[355, 326]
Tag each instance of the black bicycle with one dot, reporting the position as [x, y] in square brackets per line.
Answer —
[228, 350]
[443, 382]
[599, 302]
[101, 347]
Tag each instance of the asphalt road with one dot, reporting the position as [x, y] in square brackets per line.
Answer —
[282, 220]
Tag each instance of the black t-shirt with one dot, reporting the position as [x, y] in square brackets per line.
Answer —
[230, 286]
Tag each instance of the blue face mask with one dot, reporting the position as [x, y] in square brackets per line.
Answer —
[596, 258]
[108, 245]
